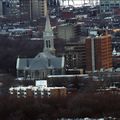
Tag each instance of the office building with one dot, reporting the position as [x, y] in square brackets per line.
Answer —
[33, 9]
[109, 5]
[9, 8]
[53, 3]
[1, 8]
[75, 58]
[68, 31]
[98, 53]
[23, 9]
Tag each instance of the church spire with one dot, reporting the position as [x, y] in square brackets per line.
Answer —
[48, 37]
[48, 27]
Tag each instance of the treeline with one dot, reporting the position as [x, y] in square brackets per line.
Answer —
[77, 106]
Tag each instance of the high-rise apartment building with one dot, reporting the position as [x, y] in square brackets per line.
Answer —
[109, 5]
[23, 9]
[33, 9]
[98, 53]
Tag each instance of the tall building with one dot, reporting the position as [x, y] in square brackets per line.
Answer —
[34, 9]
[109, 5]
[9, 8]
[1, 8]
[23, 9]
[75, 58]
[98, 53]
[68, 31]
[53, 3]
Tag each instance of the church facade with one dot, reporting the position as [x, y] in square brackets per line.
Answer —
[44, 63]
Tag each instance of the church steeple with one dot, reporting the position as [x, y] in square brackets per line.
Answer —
[48, 37]
[48, 27]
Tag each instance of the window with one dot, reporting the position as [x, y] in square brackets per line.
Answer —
[48, 44]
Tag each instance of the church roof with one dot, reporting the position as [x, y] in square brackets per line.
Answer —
[41, 62]
[45, 54]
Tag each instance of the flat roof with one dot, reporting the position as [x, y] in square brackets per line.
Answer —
[60, 76]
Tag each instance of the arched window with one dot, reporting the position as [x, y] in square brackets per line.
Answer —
[48, 45]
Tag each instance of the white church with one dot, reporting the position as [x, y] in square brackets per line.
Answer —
[44, 63]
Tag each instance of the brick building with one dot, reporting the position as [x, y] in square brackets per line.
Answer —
[98, 53]
[90, 54]
[39, 90]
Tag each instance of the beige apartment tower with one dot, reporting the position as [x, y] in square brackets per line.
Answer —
[33, 9]
[38, 8]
